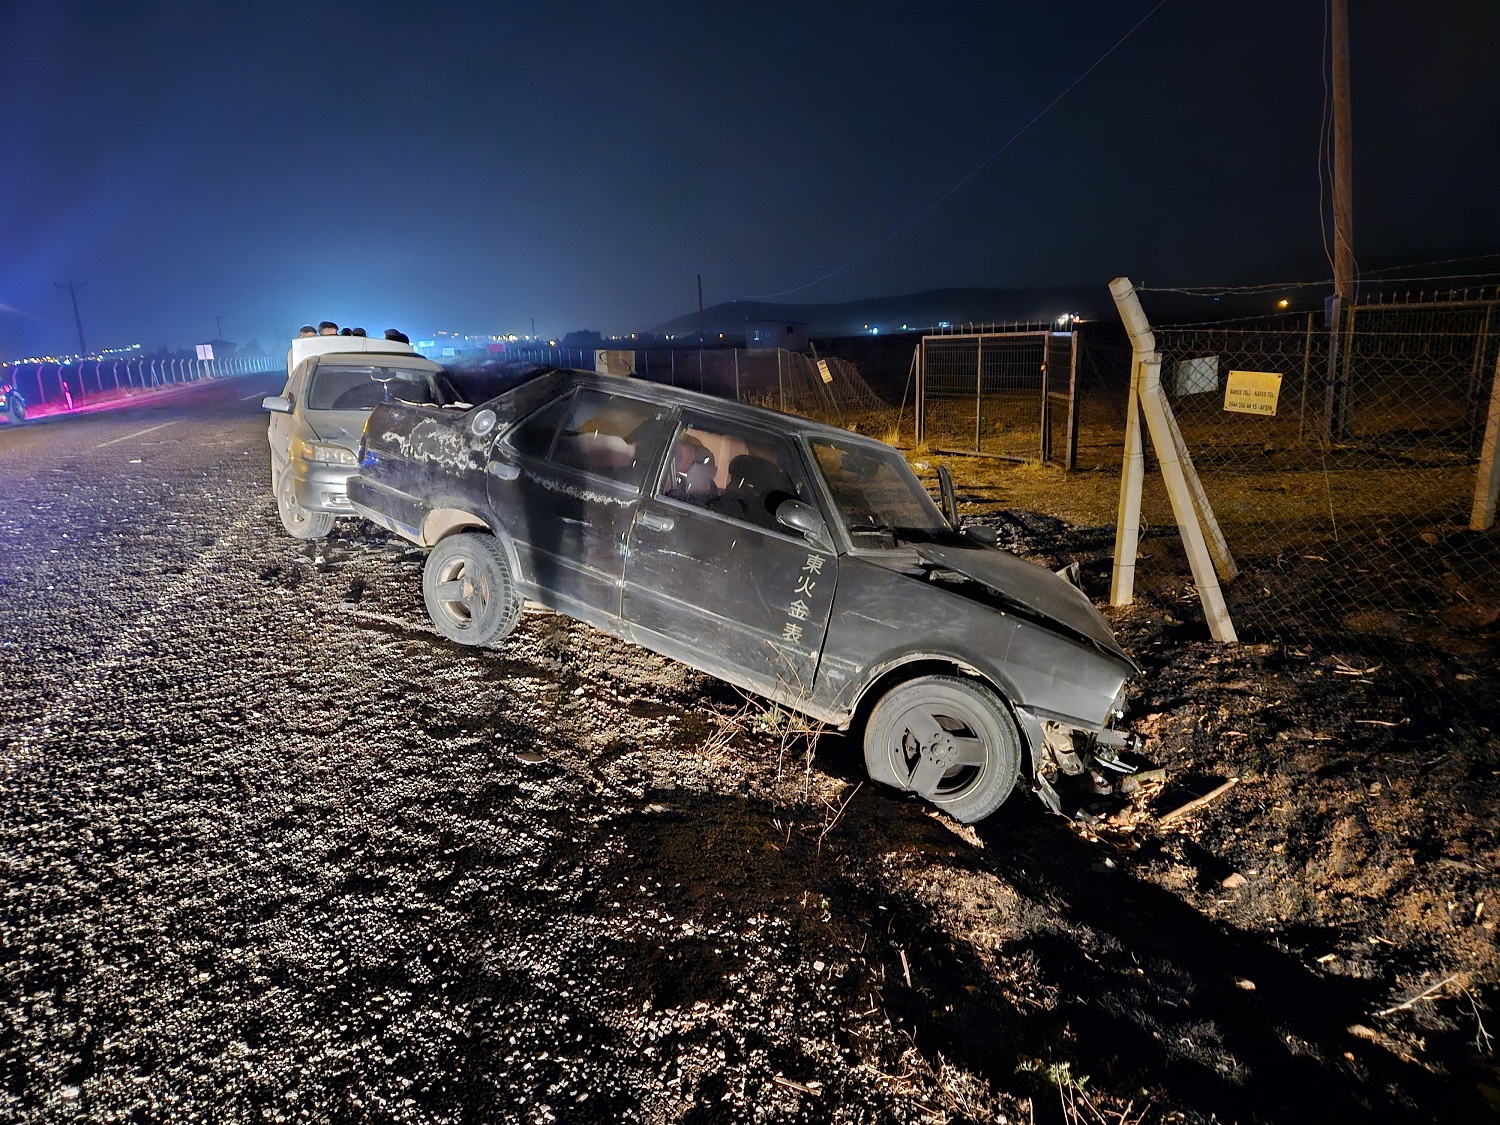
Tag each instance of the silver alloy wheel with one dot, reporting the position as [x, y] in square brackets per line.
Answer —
[300, 522]
[951, 741]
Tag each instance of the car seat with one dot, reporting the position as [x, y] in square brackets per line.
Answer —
[760, 486]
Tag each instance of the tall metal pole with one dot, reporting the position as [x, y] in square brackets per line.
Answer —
[1343, 218]
[218, 328]
[700, 310]
[78, 320]
[1336, 403]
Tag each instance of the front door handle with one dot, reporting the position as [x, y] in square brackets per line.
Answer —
[655, 522]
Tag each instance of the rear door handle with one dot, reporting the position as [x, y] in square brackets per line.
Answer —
[655, 522]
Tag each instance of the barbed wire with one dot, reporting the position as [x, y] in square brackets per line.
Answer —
[1219, 290]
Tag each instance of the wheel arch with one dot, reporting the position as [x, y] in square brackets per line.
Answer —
[442, 522]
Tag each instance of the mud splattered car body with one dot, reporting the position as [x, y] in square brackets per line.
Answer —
[801, 562]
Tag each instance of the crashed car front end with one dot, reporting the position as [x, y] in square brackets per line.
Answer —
[913, 592]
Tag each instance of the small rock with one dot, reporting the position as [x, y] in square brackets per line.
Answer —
[1232, 880]
[531, 756]
[1245, 983]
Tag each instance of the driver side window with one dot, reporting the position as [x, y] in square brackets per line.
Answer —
[737, 473]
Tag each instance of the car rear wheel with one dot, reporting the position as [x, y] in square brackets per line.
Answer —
[951, 741]
[470, 594]
[300, 522]
[17, 411]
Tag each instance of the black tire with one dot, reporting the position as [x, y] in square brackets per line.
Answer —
[470, 593]
[300, 522]
[17, 412]
[952, 741]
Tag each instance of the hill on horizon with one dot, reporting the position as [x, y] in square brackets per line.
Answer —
[931, 308]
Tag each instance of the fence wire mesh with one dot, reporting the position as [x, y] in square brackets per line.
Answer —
[983, 392]
[1347, 510]
[826, 390]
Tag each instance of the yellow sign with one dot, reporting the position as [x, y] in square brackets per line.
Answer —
[1252, 392]
[823, 370]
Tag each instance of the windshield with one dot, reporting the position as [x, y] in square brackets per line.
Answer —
[365, 386]
[879, 498]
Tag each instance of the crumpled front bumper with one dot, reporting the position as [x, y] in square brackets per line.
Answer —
[1062, 748]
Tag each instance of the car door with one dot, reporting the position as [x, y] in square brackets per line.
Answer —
[580, 465]
[712, 579]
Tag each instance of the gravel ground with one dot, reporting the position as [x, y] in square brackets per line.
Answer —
[274, 851]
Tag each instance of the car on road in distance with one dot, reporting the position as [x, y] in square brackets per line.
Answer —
[802, 562]
[316, 422]
[12, 404]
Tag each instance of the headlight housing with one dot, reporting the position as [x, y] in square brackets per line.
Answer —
[322, 451]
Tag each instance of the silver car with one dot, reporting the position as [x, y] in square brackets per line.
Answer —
[333, 383]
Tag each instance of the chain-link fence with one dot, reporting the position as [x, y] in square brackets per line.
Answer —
[1347, 508]
[66, 384]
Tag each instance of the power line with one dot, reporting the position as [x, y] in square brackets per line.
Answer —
[977, 169]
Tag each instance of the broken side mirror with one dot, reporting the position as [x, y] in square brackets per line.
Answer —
[278, 404]
[803, 517]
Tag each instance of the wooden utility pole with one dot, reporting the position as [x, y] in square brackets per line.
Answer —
[1343, 215]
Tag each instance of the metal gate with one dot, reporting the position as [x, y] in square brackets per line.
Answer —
[1011, 395]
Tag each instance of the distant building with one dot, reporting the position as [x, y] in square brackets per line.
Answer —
[791, 335]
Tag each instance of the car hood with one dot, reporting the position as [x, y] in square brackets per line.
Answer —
[343, 427]
[1031, 587]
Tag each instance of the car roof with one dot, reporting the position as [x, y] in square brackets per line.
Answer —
[305, 346]
[365, 359]
[709, 404]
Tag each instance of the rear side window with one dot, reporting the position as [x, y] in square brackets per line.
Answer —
[533, 437]
[738, 473]
[602, 434]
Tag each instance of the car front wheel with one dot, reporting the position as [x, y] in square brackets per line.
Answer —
[951, 741]
[17, 411]
[300, 522]
[470, 594]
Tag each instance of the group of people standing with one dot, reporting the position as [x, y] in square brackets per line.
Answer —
[329, 328]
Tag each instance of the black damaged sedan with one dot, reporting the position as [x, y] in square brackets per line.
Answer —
[801, 562]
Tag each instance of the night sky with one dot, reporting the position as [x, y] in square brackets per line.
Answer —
[469, 167]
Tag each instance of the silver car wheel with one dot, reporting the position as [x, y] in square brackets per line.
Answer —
[949, 740]
[300, 522]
